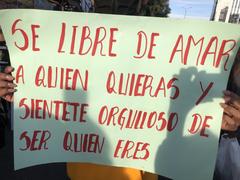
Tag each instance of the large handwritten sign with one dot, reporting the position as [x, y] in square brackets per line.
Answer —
[124, 91]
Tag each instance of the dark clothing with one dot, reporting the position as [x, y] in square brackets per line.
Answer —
[4, 106]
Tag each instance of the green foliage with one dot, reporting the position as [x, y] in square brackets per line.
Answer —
[158, 8]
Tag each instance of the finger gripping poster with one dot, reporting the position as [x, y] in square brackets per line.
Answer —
[124, 91]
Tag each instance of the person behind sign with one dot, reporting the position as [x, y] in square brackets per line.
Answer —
[231, 116]
[7, 87]
[228, 158]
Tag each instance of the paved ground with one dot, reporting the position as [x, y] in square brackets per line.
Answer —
[41, 172]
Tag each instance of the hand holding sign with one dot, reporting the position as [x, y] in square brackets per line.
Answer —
[231, 115]
[7, 87]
